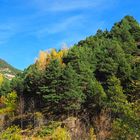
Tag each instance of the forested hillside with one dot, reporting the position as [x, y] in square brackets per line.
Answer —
[90, 91]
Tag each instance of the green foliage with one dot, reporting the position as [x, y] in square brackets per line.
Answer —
[11, 133]
[100, 72]
[116, 98]
[72, 96]
[95, 96]
[5, 87]
[10, 103]
[48, 130]
[17, 84]
[51, 88]
[123, 131]
[61, 134]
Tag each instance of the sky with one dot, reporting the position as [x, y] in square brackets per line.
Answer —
[28, 26]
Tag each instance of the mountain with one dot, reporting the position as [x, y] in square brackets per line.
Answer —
[7, 70]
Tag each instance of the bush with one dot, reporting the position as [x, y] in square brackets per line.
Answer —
[61, 134]
[48, 130]
[11, 133]
[122, 131]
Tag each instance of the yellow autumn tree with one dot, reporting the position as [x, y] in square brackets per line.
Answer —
[57, 55]
[45, 57]
[41, 61]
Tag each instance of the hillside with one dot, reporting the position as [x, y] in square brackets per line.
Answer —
[7, 70]
[90, 91]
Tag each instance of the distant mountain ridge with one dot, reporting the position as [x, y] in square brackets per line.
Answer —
[8, 70]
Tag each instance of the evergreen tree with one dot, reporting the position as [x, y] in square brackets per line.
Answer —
[72, 95]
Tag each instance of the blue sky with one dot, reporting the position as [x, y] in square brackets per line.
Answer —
[28, 26]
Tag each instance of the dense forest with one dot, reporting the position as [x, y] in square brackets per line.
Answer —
[90, 91]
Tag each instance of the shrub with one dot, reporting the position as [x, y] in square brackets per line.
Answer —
[61, 134]
[48, 130]
[11, 133]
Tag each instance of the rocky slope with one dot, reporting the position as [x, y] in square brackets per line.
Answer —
[7, 70]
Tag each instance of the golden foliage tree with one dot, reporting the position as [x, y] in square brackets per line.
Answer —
[45, 57]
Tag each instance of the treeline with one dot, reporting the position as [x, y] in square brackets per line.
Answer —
[97, 81]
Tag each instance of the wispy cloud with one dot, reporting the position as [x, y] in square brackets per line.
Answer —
[31, 27]
[65, 5]
[70, 23]
[61, 26]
